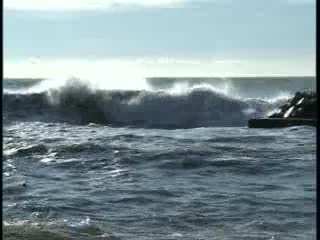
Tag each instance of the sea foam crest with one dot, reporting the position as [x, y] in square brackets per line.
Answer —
[78, 102]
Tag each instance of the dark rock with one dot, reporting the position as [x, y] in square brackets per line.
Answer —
[302, 105]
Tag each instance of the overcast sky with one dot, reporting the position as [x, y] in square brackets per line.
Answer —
[201, 30]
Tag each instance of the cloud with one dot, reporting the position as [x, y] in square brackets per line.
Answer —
[79, 5]
[74, 5]
[121, 70]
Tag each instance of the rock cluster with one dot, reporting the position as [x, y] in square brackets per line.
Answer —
[302, 105]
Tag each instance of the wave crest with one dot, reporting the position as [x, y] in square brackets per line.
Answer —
[77, 102]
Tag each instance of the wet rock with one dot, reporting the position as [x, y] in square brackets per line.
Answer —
[302, 105]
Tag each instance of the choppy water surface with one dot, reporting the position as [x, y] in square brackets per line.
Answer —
[98, 181]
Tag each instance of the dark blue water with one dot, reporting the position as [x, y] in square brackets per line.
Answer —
[148, 179]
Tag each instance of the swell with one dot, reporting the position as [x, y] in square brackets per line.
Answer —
[79, 104]
[262, 87]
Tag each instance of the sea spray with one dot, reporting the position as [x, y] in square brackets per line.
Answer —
[78, 102]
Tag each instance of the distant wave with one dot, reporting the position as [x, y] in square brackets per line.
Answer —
[77, 103]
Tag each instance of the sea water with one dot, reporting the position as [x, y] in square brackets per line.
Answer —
[175, 160]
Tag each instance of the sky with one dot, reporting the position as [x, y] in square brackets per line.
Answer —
[46, 38]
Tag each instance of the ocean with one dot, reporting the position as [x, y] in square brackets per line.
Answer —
[174, 160]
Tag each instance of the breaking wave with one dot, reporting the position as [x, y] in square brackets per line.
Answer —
[77, 102]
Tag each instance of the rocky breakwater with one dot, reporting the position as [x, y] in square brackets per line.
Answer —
[302, 105]
[300, 110]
